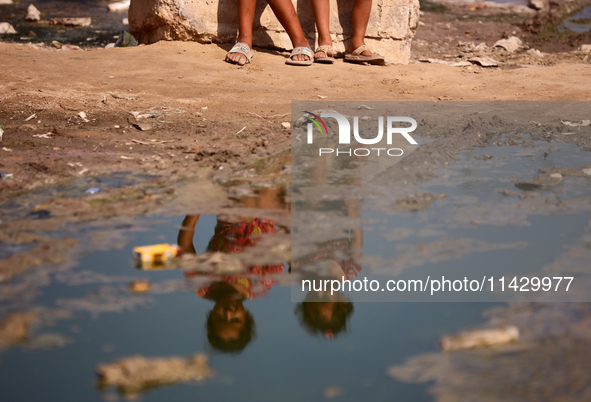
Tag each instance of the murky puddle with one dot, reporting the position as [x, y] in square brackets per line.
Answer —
[579, 22]
[470, 216]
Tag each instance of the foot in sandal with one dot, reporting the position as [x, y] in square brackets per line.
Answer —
[240, 54]
[324, 54]
[300, 56]
[363, 54]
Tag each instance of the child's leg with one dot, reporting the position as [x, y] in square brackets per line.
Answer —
[321, 9]
[287, 16]
[361, 11]
[246, 10]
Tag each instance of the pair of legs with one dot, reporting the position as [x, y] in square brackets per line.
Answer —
[286, 15]
[361, 12]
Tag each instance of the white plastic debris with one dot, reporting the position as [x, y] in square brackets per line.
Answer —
[82, 115]
[286, 125]
[33, 14]
[6, 28]
[511, 44]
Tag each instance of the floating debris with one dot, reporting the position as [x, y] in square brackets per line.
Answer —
[480, 338]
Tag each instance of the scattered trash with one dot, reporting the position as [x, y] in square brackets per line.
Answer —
[286, 125]
[125, 98]
[56, 44]
[241, 130]
[583, 123]
[72, 22]
[83, 117]
[156, 256]
[1, 133]
[93, 190]
[140, 286]
[322, 96]
[126, 157]
[511, 44]
[119, 6]
[6, 176]
[46, 135]
[364, 107]
[31, 117]
[33, 14]
[480, 338]
[6, 149]
[204, 108]
[109, 46]
[126, 40]
[484, 61]
[6, 28]
[134, 374]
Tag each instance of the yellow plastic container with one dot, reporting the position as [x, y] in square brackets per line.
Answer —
[156, 256]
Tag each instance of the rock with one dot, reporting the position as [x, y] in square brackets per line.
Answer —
[585, 48]
[484, 61]
[15, 328]
[286, 125]
[392, 24]
[480, 338]
[33, 14]
[535, 53]
[511, 44]
[119, 6]
[136, 373]
[140, 286]
[6, 28]
[72, 22]
[538, 4]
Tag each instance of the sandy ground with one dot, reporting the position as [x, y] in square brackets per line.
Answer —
[212, 115]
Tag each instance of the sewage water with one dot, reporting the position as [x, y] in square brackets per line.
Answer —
[580, 22]
[484, 222]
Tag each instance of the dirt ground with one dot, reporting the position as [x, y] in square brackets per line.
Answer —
[66, 114]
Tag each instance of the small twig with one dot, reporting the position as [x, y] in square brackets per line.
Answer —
[241, 130]
[260, 117]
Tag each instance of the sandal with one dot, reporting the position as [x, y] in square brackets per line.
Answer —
[243, 49]
[326, 49]
[306, 51]
[357, 57]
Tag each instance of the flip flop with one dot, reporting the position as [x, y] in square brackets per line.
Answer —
[357, 57]
[326, 49]
[243, 49]
[306, 51]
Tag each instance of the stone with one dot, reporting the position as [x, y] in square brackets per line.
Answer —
[538, 4]
[392, 24]
[33, 14]
[484, 61]
[480, 338]
[511, 44]
[6, 28]
[585, 48]
[72, 22]
[137, 373]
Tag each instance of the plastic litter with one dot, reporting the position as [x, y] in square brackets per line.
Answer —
[6, 176]
[156, 256]
[1, 133]
[126, 40]
[92, 190]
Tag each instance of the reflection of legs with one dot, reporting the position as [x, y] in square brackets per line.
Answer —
[361, 12]
[321, 9]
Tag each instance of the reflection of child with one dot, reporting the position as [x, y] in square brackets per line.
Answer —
[230, 327]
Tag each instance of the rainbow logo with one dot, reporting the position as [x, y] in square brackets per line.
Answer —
[316, 122]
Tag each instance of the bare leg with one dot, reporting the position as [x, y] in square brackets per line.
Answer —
[361, 12]
[246, 10]
[321, 9]
[287, 16]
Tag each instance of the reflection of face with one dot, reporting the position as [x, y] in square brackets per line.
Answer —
[321, 311]
[228, 318]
